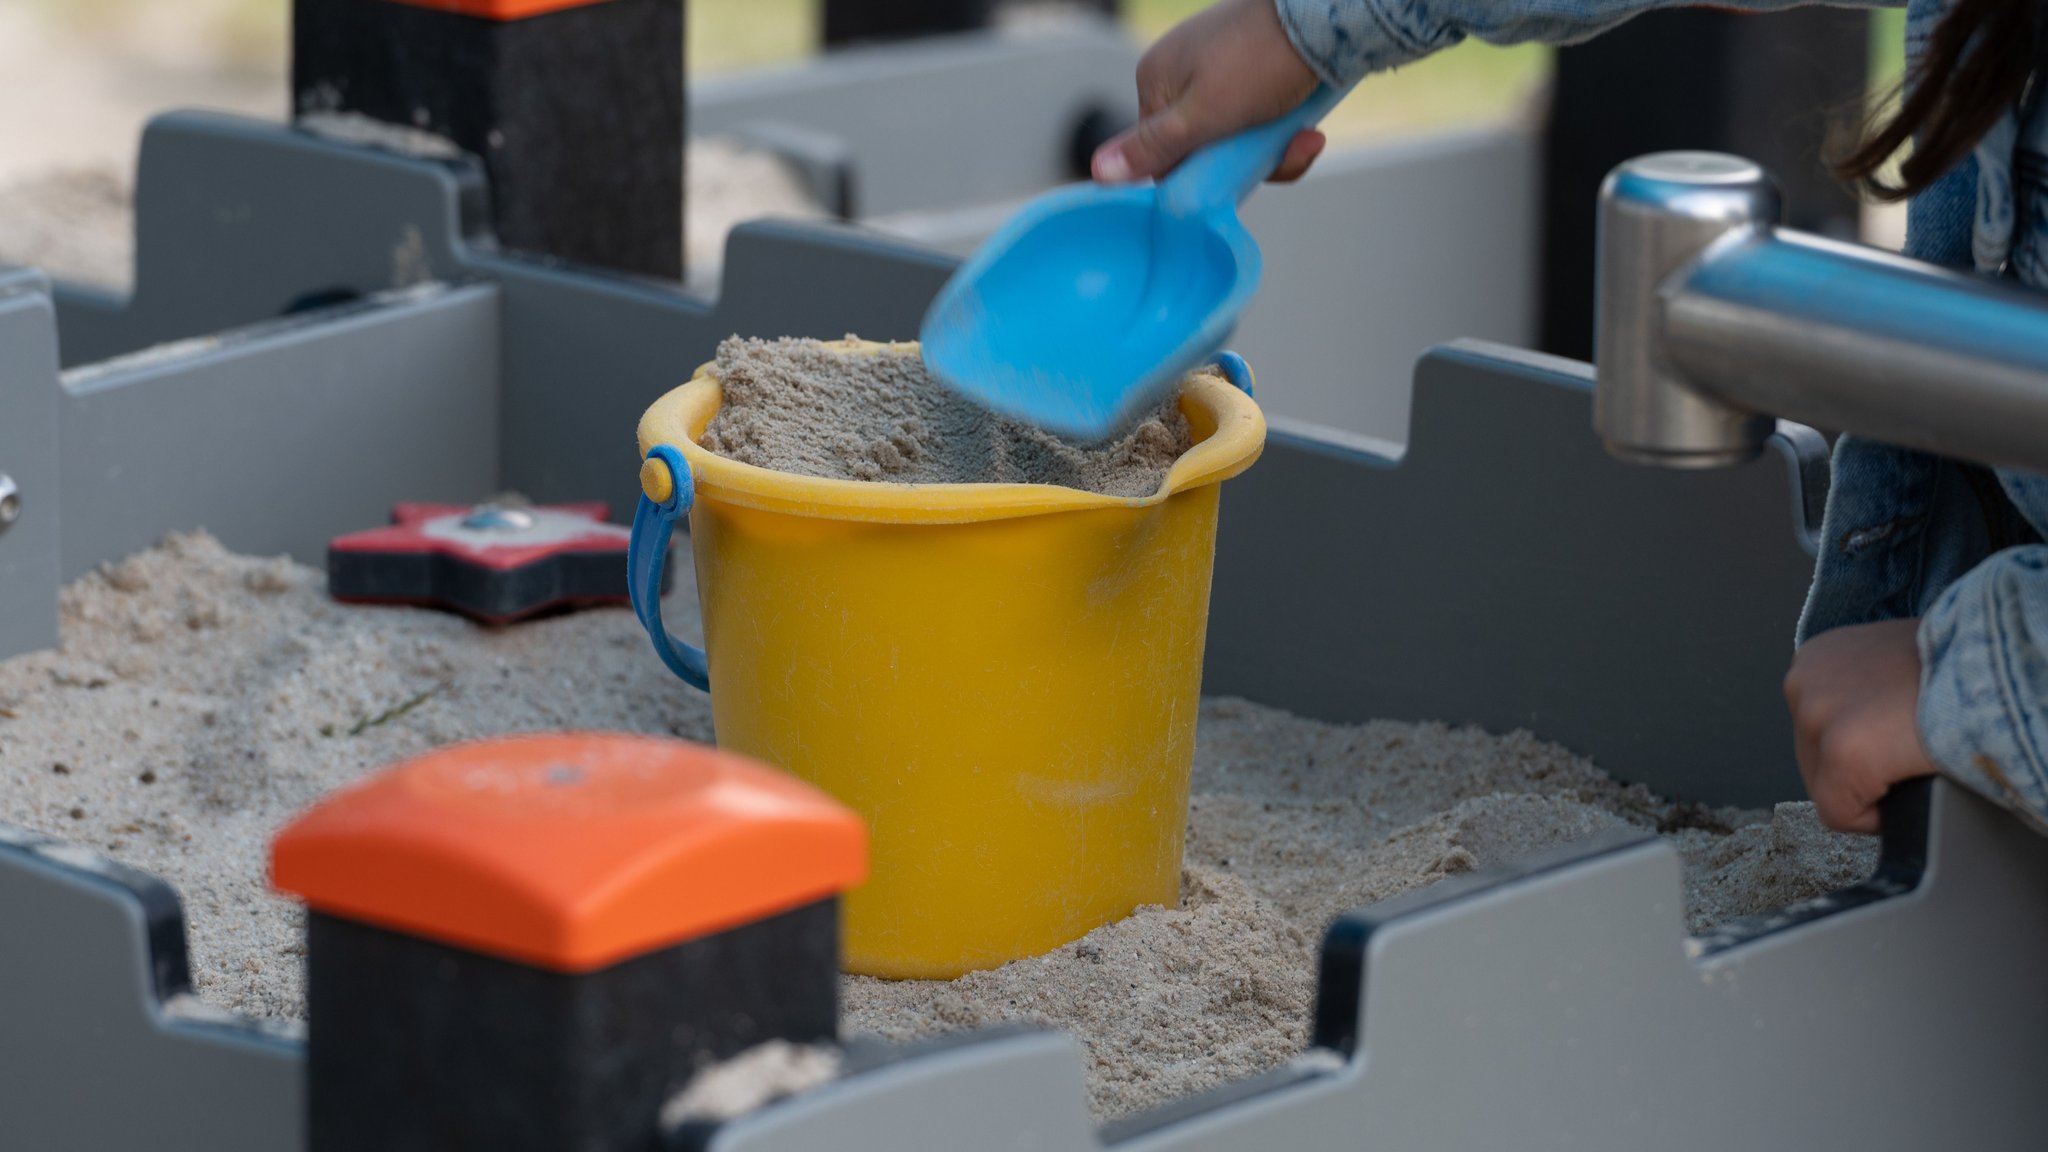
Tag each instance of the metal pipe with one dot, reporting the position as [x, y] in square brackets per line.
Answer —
[1712, 323]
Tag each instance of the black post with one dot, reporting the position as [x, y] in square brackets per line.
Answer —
[422, 1044]
[575, 107]
[1764, 87]
[534, 943]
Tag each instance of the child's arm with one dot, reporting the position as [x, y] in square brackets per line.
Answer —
[1963, 690]
[1983, 708]
[1853, 693]
[1244, 62]
[1346, 39]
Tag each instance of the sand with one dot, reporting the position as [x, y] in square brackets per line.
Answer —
[200, 698]
[727, 183]
[796, 406]
[756, 1076]
[75, 224]
[1294, 822]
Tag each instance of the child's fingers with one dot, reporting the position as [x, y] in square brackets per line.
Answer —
[1151, 148]
[1847, 784]
[1301, 152]
[1135, 155]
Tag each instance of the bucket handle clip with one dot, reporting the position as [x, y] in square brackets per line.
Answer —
[654, 523]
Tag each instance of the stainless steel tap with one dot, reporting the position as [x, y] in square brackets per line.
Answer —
[1712, 322]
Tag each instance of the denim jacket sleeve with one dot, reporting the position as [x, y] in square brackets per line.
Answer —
[1343, 40]
[1984, 669]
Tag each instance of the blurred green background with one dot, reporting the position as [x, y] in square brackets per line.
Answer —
[1469, 83]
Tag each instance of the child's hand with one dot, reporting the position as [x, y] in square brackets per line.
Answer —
[1220, 71]
[1854, 694]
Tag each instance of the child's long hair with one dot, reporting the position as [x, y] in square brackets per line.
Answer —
[1976, 65]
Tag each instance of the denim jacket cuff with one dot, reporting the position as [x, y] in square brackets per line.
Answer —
[1984, 681]
[1344, 40]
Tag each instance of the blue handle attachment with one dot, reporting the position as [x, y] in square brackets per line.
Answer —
[1222, 174]
[1234, 370]
[647, 554]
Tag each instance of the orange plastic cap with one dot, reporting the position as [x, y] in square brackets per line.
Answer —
[570, 851]
[498, 9]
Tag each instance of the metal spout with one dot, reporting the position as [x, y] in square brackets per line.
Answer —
[1657, 214]
[1713, 323]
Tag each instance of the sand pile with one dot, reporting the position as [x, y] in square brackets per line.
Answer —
[200, 698]
[1292, 823]
[729, 183]
[75, 225]
[796, 406]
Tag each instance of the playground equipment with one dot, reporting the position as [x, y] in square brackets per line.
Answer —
[1712, 323]
[1639, 616]
[321, 330]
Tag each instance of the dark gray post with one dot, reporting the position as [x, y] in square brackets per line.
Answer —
[575, 107]
[1765, 87]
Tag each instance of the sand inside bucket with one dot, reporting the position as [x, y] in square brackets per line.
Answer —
[798, 406]
[200, 698]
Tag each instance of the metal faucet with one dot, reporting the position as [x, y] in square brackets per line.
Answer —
[1712, 322]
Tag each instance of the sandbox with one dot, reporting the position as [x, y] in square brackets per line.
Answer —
[200, 698]
[1638, 617]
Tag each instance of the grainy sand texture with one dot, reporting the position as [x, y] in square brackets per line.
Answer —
[1294, 822]
[800, 406]
[200, 698]
[75, 224]
[78, 223]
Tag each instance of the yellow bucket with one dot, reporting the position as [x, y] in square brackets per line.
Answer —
[1002, 679]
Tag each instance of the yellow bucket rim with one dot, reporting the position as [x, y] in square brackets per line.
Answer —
[1235, 436]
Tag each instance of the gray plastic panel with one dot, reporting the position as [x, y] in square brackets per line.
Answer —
[1557, 1010]
[1557, 1005]
[941, 120]
[584, 356]
[100, 1047]
[1508, 573]
[1021, 1092]
[28, 454]
[583, 352]
[1346, 303]
[1349, 299]
[279, 437]
[238, 221]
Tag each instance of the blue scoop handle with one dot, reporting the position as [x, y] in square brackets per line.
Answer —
[1222, 174]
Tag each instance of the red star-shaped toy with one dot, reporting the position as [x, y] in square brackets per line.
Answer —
[491, 562]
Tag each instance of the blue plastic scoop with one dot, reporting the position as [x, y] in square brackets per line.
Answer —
[1086, 309]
